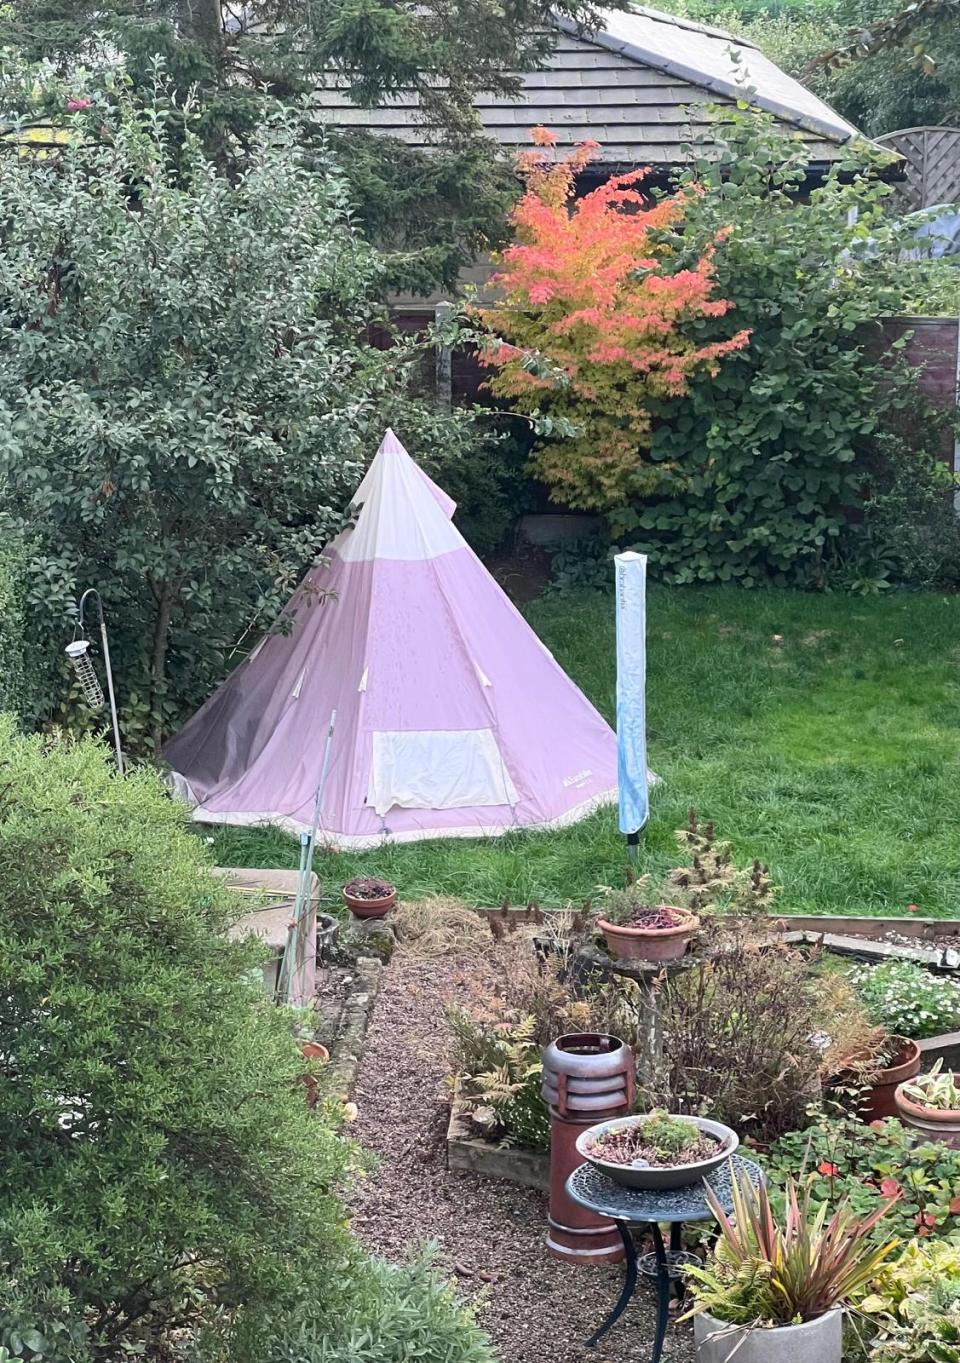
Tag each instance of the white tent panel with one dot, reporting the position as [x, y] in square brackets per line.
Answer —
[438, 769]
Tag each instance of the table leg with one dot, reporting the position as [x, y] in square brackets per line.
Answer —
[676, 1247]
[663, 1292]
[629, 1283]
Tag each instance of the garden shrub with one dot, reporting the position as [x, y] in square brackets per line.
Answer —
[735, 1029]
[512, 1008]
[913, 1313]
[582, 565]
[12, 572]
[762, 465]
[840, 1157]
[394, 1314]
[161, 1170]
[909, 533]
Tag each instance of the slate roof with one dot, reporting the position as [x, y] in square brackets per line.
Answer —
[639, 85]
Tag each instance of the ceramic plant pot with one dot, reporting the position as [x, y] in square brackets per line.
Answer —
[369, 908]
[650, 944]
[671, 1176]
[816, 1341]
[880, 1100]
[935, 1124]
[873, 1102]
[312, 1050]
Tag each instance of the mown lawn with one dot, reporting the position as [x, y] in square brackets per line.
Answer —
[833, 753]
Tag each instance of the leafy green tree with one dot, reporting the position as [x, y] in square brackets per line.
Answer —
[750, 469]
[187, 391]
[236, 57]
[761, 465]
[890, 67]
[161, 1170]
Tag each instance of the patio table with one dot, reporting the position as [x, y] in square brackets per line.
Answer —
[651, 1208]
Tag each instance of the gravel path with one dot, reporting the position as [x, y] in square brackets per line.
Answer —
[489, 1233]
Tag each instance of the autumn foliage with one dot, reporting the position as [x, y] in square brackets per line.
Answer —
[589, 327]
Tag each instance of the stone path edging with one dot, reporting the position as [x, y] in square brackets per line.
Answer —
[347, 1048]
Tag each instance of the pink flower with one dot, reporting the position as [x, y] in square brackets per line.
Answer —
[75, 106]
[827, 1169]
[913, 908]
[890, 1187]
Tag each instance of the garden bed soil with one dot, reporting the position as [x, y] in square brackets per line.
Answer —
[490, 1233]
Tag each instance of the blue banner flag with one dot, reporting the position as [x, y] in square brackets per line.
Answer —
[631, 579]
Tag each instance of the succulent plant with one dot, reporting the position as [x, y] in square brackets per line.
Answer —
[935, 1089]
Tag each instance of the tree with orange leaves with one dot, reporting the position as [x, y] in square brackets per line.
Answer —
[589, 327]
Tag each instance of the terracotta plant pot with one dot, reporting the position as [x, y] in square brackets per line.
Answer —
[312, 1050]
[935, 1123]
[369, 908]
[878, 1100]
[650, 944]
[586, 1076]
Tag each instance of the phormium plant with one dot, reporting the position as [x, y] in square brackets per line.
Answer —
[773, 1271]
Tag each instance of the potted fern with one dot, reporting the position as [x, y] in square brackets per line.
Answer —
[774, 1291]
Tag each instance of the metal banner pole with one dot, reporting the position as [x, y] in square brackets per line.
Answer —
[631, 592]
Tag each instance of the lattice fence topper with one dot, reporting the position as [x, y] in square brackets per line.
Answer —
[932, 165]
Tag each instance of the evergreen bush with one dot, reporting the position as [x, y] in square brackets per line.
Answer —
[161, 1170]
[763, 465]
[189, 391]
[12, 575]
[395, 1314]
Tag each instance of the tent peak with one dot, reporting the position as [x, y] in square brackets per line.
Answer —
[390, 444]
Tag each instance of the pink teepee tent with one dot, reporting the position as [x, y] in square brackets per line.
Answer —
[453, 719]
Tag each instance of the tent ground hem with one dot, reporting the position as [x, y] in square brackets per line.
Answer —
[363, 842]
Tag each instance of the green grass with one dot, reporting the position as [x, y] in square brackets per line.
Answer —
[834, 755]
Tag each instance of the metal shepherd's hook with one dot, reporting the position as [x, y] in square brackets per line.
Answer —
[79, 654]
